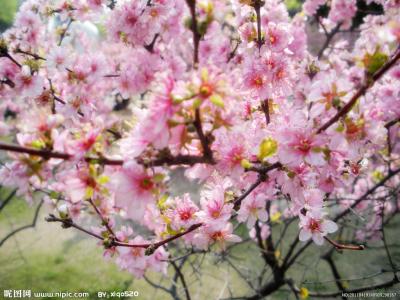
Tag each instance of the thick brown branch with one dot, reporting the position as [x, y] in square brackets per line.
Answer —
[170, 160]
[392, 123]
[204, 140]
[194, 28]
[150, 47]
[335, 272]
[163, 160]
[265, 109]
[47, 154]
[257, 7]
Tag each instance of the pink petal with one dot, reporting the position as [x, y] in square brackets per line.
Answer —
[304, 235]
[329, 226]
[318, 238]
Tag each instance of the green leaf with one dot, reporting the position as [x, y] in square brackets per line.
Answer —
[217, 100]
[268, 147]
[374, 62]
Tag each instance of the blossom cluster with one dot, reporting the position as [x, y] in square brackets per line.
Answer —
[116, 97]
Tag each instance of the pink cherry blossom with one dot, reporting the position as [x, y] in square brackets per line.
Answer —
[314, 226]
[221, 236]
[133, 188]
[253, 209]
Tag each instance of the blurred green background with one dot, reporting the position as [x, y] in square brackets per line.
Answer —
[9, 7]
[7, 11]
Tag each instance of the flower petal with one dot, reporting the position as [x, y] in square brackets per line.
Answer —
[318, 238]
[304, 235]
[329, 226]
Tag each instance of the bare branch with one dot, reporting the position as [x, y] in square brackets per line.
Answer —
[182, 279]
[32, 225]
[196, 34]
[8, 199]
[150, 247]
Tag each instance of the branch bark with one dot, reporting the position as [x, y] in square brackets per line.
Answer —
[195, 31]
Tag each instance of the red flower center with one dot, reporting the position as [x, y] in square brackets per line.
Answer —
[216, 236]
[272, 39]
[88, 143]
[185, 215]
[146, 183]
[215, 214]
[314, 225]
[206, 90]
[304, 145]
[258, 81]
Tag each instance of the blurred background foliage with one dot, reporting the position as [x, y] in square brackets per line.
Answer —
[9, 7]
[7, 12]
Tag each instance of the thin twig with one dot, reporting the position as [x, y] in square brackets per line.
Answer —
[329, 37]
[389, 256]
[104, 221]
[148, 246]
[8, 199]
[343, 246]
[182, 278]
[32, 225]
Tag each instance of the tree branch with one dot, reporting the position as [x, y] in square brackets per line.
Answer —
[182, 279]
[196, 34]
[339, 246]
[150, 247]
[159, 161]
[257, 7]
[32, 225]
[329, 37]
[104, 221]
[362, 90]
[205, 143]
[238, 201]
[366, 194]
[8, 199]
[335, 272]
[389, 256]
